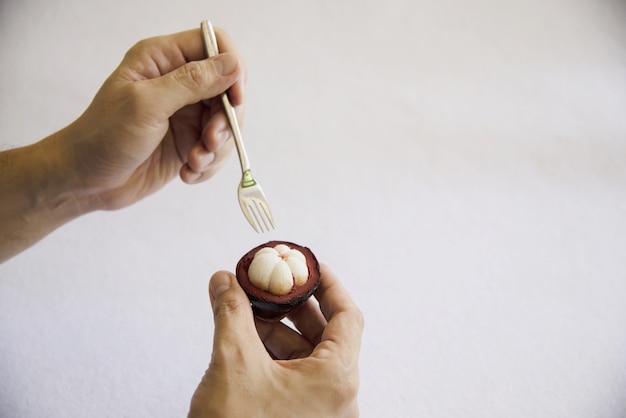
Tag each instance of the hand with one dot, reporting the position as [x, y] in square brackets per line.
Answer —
[273, 371]
[154, 118]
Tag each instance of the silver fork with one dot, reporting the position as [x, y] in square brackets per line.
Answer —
[251, 198]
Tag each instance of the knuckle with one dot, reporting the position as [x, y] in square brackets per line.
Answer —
[349, 389]
[194, 75]
[141, 47]
[142, 44]
[345, 388]
[359, 318]
[228, 308]
[132, 98]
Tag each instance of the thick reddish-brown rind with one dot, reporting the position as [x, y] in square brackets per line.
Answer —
[272, 307]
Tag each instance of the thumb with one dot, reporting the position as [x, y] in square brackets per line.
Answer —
[195, 81]
[234, 322]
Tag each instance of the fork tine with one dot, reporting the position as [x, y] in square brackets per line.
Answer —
[246, 209]
[259, 210]
[257, 213]
[267, 213]
[257, 217]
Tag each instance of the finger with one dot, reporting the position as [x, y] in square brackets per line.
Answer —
[197, 145]
[236, 91]
[199, 158]
[235, 337]
[342, 335]
[191, 45]
[193, 82]
[194, 176]
[209, 154]
[283, 342]
[179, 48]
[216, 131]
[171, 51]
[309, 320]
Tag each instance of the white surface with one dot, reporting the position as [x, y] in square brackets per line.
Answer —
[460, 164]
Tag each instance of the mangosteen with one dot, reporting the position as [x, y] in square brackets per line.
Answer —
[278, 276]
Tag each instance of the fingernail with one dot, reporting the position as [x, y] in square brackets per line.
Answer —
[220, 282]
[223, 136]
[225, 64]
[193, 176]
[208, 159]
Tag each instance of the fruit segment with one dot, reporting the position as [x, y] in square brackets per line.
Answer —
[278, 269]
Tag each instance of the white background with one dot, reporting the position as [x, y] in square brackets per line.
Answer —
[461, 165]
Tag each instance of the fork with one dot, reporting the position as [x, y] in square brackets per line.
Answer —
[251, 198]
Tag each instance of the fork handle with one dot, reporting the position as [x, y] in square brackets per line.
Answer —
[210, 45]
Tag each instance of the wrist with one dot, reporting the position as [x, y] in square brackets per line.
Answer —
[58, 191]
[38, 194]
[62, 188]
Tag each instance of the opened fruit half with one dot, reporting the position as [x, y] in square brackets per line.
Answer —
[277, 277]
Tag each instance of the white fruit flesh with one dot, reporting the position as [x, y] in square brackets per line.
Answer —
[277, 270]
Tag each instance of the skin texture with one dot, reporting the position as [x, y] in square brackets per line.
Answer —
[262, 369]
[154, 118]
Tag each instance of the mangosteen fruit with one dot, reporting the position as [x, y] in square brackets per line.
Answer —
[278, 276]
